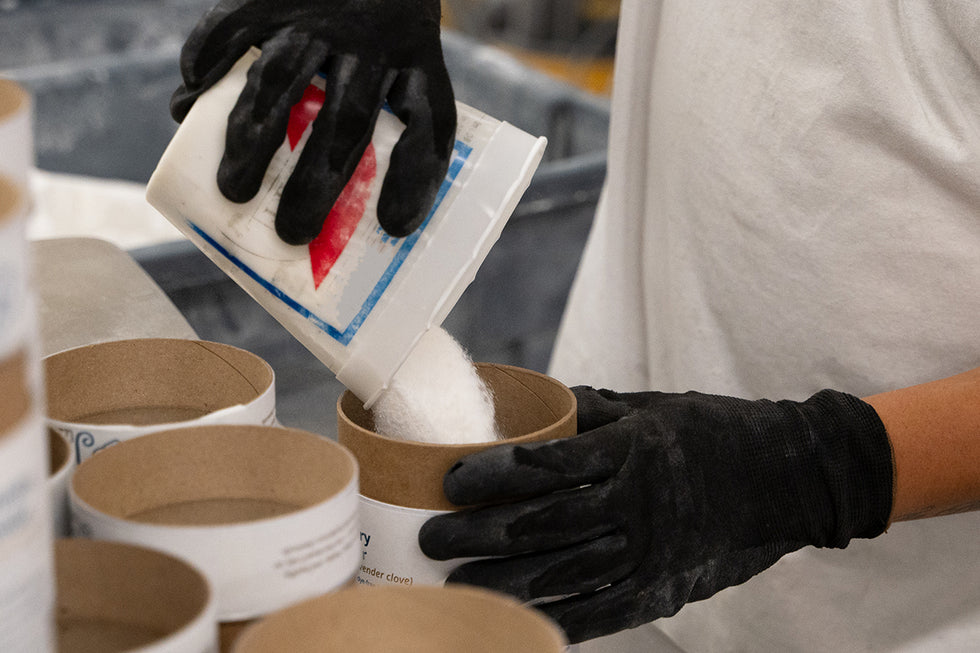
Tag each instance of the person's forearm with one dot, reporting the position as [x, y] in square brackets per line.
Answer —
[934, 430]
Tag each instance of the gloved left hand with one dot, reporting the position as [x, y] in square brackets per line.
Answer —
[370, 51]
[663, 499]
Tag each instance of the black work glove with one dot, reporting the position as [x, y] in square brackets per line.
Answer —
[370, 51]
[663, 499]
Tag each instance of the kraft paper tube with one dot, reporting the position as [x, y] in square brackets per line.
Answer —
[401, 480]
[26, 581]
[114, 596]
[16, 132]
[381, 619]
[269, 514]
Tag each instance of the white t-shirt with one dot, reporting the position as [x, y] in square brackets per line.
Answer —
[793, 203]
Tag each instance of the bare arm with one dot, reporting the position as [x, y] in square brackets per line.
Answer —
[934, 430]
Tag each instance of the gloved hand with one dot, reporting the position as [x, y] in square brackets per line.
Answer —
[369, 51]
[663, 499]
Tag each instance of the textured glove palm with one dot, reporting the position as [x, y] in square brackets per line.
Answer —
[369, 51]
[661, 500]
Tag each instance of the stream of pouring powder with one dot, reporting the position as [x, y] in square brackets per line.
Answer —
[436, 396]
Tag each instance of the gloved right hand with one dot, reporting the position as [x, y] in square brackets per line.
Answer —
[370, 51]
[662, 499]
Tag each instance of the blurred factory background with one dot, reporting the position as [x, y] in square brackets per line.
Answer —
[102, 72]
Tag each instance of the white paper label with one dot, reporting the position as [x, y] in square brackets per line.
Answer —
[390, 553]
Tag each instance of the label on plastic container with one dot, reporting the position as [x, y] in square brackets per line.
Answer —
[356, 297]
[353, 261]
[390, 553]
[27, 593]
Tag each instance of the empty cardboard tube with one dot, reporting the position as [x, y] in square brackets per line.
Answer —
[268, 513]
[26, 575]
[26, 582]
[105, 393]
[120, 597]
[384, 619]
[529, 407]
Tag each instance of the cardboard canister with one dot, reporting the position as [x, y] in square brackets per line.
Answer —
[120, 597]
[26, 572]
[26, 561]
[401, 481]
[384, 619]
[269, 514]
[356, 298]
[109, 392]
[16, 131]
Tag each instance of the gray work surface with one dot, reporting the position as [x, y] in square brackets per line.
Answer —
[91, 291]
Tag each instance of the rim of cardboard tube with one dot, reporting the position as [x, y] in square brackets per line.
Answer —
[248, 504]
[145, 376]
[153, 595]
[409, 474]
[209, 463]
[435, 619]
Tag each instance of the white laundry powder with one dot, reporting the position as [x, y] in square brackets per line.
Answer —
[436, 396]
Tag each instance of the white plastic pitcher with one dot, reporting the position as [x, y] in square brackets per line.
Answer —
[355, 297]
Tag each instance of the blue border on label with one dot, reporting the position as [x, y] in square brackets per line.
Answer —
[461, 153]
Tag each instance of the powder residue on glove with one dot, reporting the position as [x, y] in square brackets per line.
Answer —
[437, 396]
